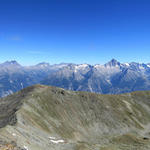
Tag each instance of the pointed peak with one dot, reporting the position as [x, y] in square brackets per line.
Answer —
[127, 64]
[12, 62]
[43, 64]
[112, 63]
[113, 60]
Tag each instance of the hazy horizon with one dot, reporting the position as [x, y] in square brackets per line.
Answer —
[72, 62]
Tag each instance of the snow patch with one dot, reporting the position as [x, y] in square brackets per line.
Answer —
[108, 80]
[98, 66]
[14, 134]
[127, 64]
[128, 105]
[141, 67]
[148, 66]
[44, 65]
[82, 66]
[25, 147]
[57, 141]
[21, 85]
[52, 138]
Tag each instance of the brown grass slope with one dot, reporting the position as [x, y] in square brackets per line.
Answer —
[37, 117]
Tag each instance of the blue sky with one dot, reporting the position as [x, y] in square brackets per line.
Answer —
[77, 31]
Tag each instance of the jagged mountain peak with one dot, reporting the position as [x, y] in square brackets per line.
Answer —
[113, 63]
[43, 64]
[107, 79]
[12, 62]
[127, 64]
[82, 65]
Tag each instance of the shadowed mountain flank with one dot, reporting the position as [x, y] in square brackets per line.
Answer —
[111, 78]
[42, 117]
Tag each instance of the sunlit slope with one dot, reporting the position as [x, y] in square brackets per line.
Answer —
[53, 118]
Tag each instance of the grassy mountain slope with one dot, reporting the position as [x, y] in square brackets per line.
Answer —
[42, 117]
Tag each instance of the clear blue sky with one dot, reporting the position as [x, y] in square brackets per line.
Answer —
[78, 31]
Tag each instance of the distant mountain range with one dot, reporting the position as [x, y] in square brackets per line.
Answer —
[111, 78]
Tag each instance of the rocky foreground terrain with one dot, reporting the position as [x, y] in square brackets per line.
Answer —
[49, 118]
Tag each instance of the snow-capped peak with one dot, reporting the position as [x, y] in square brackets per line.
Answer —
[13, 62]
[80, 67]
[43, 64]
[127, 64]
[98, 66]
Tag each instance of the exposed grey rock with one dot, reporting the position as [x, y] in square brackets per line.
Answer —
[111, 78]
[56, 119]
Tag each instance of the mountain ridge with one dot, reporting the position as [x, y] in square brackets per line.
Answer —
[110, 78]
[55, 119]
[113, 61]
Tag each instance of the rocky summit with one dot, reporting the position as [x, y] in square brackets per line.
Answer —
[42, 117]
